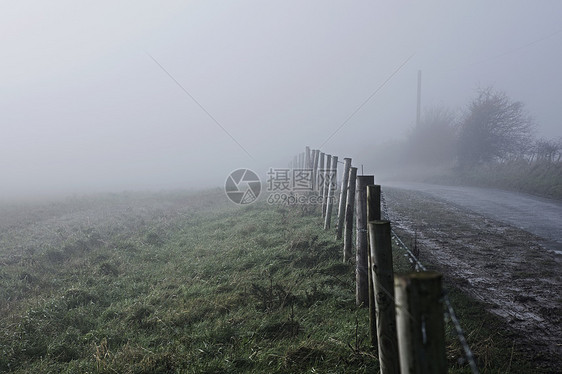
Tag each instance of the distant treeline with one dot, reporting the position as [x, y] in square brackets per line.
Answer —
[492, 142]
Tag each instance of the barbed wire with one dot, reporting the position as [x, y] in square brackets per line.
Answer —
[411, 256]
[418, 266]
[450, 311]
[460, 334]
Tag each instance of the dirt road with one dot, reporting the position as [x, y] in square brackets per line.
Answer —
[539, 216]
[509, 269]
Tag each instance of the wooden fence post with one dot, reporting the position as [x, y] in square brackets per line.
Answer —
[373, 214]
[333, 184]
[374, 202]
[349, 210]
[382, 274]
[343, 197]
[420, 323]
[319, 176]
[325, 184]
[316, 155]
[362, 246]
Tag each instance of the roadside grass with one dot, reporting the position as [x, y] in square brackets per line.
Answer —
[538, 178]
[258, 289]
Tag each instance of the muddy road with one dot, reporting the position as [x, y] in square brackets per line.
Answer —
[515, 272]
[539, 216]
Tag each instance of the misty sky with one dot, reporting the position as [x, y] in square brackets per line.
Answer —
[84, 107]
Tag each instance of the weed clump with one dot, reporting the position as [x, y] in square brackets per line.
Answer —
[76, 297]
[109, 269]
[303, 357]
[270, 298]
[140, 316]
[66, 347]
[280, 330]
[303, 241]
[248, 230]
[55, 257]
[26, 277]
[154, 239]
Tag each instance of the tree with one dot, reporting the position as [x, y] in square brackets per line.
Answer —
[495, 128]
[432, 142]
[548, 150]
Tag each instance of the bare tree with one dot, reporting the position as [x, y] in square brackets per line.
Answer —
[494, 128]
[548, 150]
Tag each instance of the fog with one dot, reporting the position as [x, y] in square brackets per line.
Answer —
[135, 95]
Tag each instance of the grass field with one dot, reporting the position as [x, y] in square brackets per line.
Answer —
[188, 283]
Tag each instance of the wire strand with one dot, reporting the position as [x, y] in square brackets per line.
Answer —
[458, 329]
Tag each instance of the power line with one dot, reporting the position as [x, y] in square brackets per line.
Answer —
[366, 101]
[200, 106]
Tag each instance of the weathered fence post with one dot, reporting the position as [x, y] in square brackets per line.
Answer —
[325, 184]
[362, 246]
[343, 197]
[373, 214]
[335, 172]
[382, 273]
[315, 154]
[319, 176]
[349, 210]
[333, 184]
[420, 324]
[374, 202]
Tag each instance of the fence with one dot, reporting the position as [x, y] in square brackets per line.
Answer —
[406, 312]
